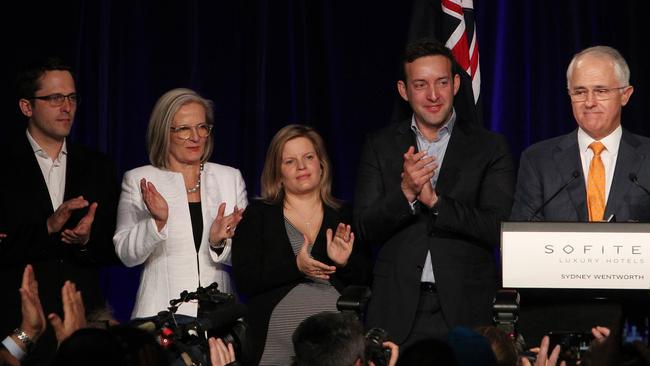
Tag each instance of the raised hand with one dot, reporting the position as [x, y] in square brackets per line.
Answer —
[418, 168]
[311, 267]
[600, 334]
[339, 247]
[81, 233]
[543, 359]
[223, 227]
[33, 322]
[74, 313]
[62, 214]
[220, 354]
[155, 203]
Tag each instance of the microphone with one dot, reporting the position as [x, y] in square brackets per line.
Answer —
[635, 180]
[574, 176]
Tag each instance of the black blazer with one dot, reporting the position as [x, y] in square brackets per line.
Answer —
[265, 269]
[25, 205]
[547, 165]
[475, 188]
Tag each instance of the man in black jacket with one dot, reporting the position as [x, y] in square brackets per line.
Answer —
[58, 203]
[431, 193]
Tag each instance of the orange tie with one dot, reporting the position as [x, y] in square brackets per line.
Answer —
[596, 184]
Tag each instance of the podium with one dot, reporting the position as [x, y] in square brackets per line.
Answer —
[575, 275]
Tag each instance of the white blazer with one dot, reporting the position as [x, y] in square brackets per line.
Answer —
[171, 263]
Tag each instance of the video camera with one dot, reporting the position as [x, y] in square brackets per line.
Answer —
[186, 337]
[354, 299]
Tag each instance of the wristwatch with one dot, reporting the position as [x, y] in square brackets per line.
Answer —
[24, 338]
[218, 245]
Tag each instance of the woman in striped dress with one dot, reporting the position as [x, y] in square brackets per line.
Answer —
[294, 250]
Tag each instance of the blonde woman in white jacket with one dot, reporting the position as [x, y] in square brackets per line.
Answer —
[177, 216]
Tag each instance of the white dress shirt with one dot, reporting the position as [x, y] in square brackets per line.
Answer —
[608, 156]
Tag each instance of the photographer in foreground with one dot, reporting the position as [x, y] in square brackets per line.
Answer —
[335, 339]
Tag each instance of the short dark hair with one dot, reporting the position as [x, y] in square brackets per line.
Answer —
[28, 79]
[426, 47]
[328, 339]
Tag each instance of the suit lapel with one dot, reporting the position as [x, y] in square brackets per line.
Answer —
[404, 137]
[567, 160]
[459, 147]
[73, 173]
[33, 175]
[628, 161]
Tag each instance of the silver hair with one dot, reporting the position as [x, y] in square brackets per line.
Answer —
[621, 69]
[161, 119]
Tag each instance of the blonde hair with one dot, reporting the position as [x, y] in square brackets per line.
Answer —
[161, 120]
[272, 188]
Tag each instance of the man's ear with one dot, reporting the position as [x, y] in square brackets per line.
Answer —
[401, 88]
[25, 107]
[456, 83]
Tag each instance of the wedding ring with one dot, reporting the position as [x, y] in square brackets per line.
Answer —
[228, 227]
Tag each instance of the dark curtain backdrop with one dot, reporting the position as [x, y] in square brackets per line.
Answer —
[332, 64]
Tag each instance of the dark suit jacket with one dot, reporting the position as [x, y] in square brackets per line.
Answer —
[547, 165]
[265, 269]
[475, 188]
[25, 205]
[543, 169]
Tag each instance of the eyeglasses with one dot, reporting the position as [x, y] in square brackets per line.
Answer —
[185, 132]
[581, 95]
[57, 100]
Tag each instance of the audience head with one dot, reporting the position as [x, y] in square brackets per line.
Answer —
[281, 167]
[118, 345]
[172, 110]
[470, 347]
[48, 98]
[428, 352]
[429, 83]
[598, 80]
[502, 345]
[329, 339]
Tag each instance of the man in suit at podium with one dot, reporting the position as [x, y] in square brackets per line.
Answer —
[598, 172]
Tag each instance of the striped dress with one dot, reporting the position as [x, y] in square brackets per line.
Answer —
[308, 298]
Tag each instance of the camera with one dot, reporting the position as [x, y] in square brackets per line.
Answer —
[375, 350]
[573, 345]
[186, 337]
[354, 299]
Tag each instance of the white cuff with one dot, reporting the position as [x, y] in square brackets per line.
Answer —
[13, 348]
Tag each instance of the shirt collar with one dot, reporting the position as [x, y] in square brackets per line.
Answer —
[442, 132]
[611, 141]
[38, 150]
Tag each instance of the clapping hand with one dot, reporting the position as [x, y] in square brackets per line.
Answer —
[74, 313]
[81, 233]
[339, 247]
[311, 267]
[155, 203]
[223, 227]
[33, 322]
[62, 214]
[418, 168]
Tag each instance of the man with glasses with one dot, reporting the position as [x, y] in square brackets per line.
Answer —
[603, 164]
[598, 172]
[59, 204]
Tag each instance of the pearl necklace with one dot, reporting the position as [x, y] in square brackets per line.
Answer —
[198, 182]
